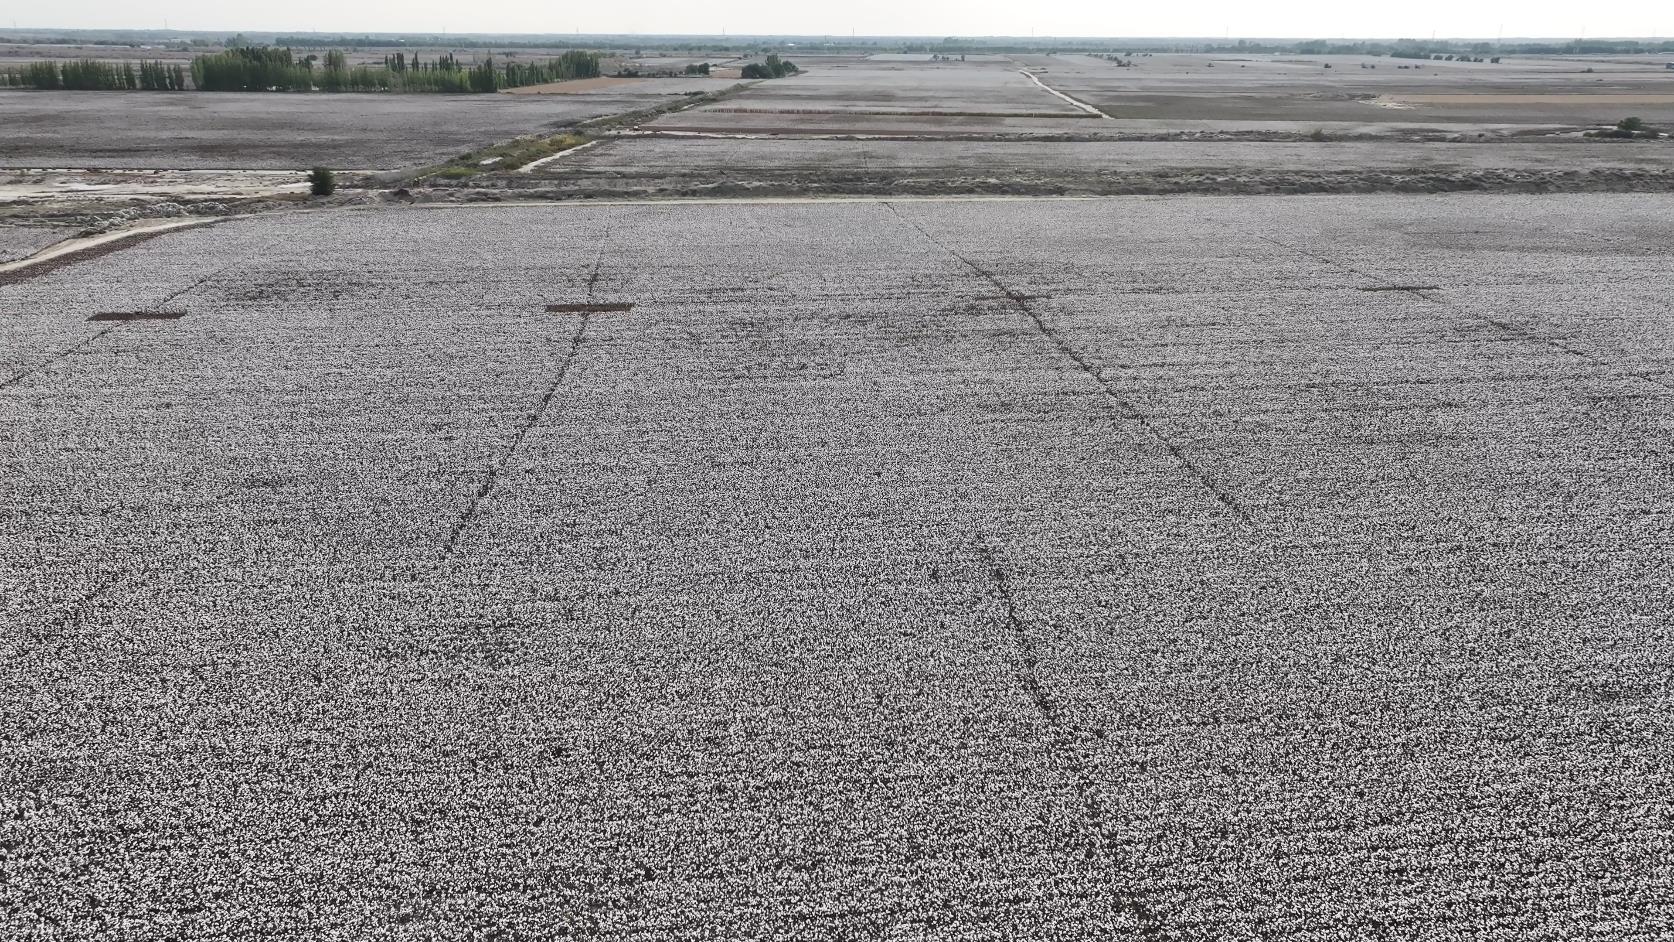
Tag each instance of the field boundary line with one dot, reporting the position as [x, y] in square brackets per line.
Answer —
[85, 248]
[1123, 407]
[1068, 743]
[105, 247]
[1072, 100]
[27, 372]
[491, 478]
[528, 167]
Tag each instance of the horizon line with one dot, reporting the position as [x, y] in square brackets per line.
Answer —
[734, 36]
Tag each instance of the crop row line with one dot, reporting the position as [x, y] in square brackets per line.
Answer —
[27, 372]
[491, 476]
[1517, 331]
[98, 251]
[1112, 394]
[1068, 743]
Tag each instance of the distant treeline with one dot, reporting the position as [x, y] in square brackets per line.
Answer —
[773, 68]
[94, 75]
[270, 68]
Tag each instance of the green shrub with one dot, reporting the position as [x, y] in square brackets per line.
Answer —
[1627, 129]
[773, 68]
[322, 182]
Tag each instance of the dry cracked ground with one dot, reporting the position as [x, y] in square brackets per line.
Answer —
[1173, 568]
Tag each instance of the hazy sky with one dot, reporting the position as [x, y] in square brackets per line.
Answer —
[1413, 18]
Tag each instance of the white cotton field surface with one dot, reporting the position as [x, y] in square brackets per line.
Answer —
[1200, 568]
[18, 242]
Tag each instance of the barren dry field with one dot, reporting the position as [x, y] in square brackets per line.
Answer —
[1199, 94]
[1189, 568]
[186, 131]
[902, 89]
[1286, 91]
[17, 54]
[694, 166]
[861, 96]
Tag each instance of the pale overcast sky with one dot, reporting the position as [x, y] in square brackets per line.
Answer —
[1414, 18]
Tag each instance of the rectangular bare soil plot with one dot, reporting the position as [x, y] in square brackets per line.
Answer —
[137, 316]
[260, 130]
[1360, 94]
[588, 307]
[881, 97]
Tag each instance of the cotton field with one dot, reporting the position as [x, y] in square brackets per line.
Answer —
[1176, 568]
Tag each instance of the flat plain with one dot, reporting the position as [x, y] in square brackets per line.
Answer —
[1171, 94]
[1518, 95]
[1186, 568]
[666, 165]
[271, 131]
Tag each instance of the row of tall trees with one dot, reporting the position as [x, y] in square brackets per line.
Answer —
[97, 76]
[574, 64]
[277, 68]
[399, 74]
[252, 69]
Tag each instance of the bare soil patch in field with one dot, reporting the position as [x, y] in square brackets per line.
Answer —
[125, 316]
[694, 166]
[1532, 93]
[61, 185]
[278, 131]
[870, 87]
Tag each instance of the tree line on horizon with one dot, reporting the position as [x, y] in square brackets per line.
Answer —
[94, 75]
[278, 69]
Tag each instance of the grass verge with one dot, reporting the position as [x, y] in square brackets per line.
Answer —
[517, 152]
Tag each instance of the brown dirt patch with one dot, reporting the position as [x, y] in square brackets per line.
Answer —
[138, 316]
[614, 307]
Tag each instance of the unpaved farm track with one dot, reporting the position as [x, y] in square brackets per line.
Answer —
[72, 251]
[1084, 106]
[1152, 568]
[682, 166]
